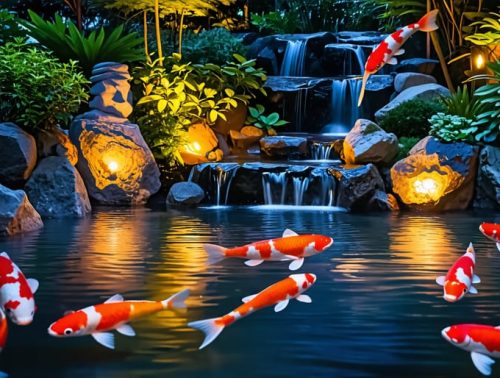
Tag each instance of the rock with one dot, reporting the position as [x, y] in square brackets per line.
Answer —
[411, 79]
[200, 143]
[283, 146]
[56, 189]
[436, 176]
[382, 201]
[246, 137]
[17, 155]
[185, 193]
[488, 179]
[345, 59]
[423, 92]
[56, 143]
[420, 65]
[16, 213]
[369, 38]
[379, 89]
[293, 84]
[368, 143]
[115, 162]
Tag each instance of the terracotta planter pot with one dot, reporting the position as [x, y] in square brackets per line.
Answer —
[235, 119]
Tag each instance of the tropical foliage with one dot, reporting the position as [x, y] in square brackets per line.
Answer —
[492, 34]
[258, 118]
[452, 128]
[462, 103]
[9, 27]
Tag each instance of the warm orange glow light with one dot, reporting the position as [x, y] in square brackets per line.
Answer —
[196, 146]
[426, 186]
[113, 166]
[479, 62]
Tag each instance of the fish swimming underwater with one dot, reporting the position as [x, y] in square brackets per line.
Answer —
[114, 314]
[289, 247]
[391, 46]
[482, 341]
[278, 295]
[491, 231]
[459, 279]
[16, 292]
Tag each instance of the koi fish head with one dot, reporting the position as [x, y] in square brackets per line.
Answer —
[373, 64]
[456, 335]
[490, 230]
[304, 281]
[454, 290]
[21, 310]
[73, 324]
[322, 242]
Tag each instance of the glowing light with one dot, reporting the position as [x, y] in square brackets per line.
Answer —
[479, 62]
[426, 186]
[113, 166]
[196, 146]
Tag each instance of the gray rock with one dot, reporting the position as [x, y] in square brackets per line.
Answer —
[411, 79]
[283, 146]
[368, 143]
[423, 92]
[56, 189]
[16, 213]
[185, 193]
[97, 115]
[115, 162]
[420, 65]
[17, 155]
[488, 179]
[56, 143]
[361, 37]
[382, 201]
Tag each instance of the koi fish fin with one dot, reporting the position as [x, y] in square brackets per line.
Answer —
[280, 306]
[215, 253]
[126, 330]
[68, 312]
[253, 262]
[296, 264]
[428, 22]
[392, 61]
[304, 298]
[473, 290]
[33, 284]
[287, 233]
[440, 280]
[482, 362]
[115, 298]
[176, 300]
[399, 52]
[210, 327]
[363, 86]
[248, 298]
[470, 248]
[498, 246]
[476, 279]
[4, 254]
[106, 339]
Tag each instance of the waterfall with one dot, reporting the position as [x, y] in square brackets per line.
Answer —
[300, 185]
[351, 58]
[321, 151]
[274, 182]
[222, 178]
[294, 58]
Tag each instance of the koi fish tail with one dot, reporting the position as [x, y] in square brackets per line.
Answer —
[216, 253]
[210, 327]
[176, 300]
[428, 22]
[363, 86]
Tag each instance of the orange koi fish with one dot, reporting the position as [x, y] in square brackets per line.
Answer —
[114, 314]
[3, 330]
[482, 341]
[289, 247]
[459, 279]
[278, 295]
[491, 231]
[391, 46]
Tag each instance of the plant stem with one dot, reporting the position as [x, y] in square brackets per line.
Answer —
[145, 31]
[158, 33]
[442, 61]
[181, 26]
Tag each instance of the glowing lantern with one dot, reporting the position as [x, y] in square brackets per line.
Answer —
[478, 59]
[201, 145]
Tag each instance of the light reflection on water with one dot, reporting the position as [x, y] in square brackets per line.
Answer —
[376, 309]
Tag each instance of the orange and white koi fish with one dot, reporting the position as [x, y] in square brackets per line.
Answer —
[114, 314]
[491, 231]
[482, 341]
[278, 295]
[289, 247]
[391, 46]
[459, 279]
[3, 330]
[16, 292]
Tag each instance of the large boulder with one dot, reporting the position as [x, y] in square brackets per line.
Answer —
[436, 175]
[488, 179]
[115, 162]
[423, 92]
[406, 80]
[283, 146]
[201, 145]
[56, 189]
[185, 193]
[56, 143]
[368, 143]
[16, 213]
[17, 155]
[420, 65]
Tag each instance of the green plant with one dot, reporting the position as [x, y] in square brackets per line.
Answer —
[452, 128]
[9, 27]
[410, 118]
[258, 119]
[69, 43]
[492, 36]
[36, 90]
[462, 103]
[283, 22]
[405, 145]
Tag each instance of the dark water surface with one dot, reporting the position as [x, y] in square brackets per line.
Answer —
[376, 309]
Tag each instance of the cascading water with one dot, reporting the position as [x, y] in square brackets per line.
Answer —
[321, 151]
[274, 182]
[348, 59]
[222, 179]
[294, 58]
[300, 185]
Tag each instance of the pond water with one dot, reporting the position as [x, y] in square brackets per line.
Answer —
[376, 309]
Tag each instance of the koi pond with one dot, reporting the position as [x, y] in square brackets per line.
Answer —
[376, 309]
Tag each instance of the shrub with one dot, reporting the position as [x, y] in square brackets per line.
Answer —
[36, 90]
[452, 128]
[9, 27]
[463, 104]
[410, 118]
[405, 145]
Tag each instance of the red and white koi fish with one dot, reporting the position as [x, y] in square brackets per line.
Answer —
[278, 295]
[491, 231]
[16, 292]
[289, 247]
[114, 314]
[481, 341]
[391, 46]
[459, 279]
[3, 330]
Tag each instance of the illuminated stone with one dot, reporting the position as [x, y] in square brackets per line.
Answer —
[16, 213]
[283, 146]
[200, 145]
